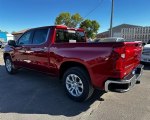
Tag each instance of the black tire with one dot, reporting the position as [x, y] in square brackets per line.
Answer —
[81, 75]
[12, 69]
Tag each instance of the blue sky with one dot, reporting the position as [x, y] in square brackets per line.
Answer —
[16, 15]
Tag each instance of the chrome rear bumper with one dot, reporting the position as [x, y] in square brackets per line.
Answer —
[125, 84]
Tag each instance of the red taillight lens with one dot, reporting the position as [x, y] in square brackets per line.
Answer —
[119, 54]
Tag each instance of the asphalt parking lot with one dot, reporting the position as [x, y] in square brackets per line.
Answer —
[29, 95]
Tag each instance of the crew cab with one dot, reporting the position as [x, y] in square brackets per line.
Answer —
[63, 52]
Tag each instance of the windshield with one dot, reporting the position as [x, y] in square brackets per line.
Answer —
[69, 36]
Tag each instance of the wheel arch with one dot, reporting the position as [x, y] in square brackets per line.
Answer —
[6, 55]
[69, 64]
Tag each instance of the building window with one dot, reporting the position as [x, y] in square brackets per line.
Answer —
[123, 31]
[135, 30]
[141, 31]
[143, 36]
[146, 30]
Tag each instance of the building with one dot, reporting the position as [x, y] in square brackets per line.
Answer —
[10, 37]
[136, 34]
[117, 31]
[18, 34]
[3, 37]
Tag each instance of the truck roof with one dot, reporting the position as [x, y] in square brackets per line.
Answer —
[60, 27]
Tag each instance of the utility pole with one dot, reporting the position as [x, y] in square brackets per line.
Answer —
[111, 19]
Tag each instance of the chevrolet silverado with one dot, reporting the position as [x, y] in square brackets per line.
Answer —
[63, 52]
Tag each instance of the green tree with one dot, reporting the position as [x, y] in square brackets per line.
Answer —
[91, 27]
[68, 19]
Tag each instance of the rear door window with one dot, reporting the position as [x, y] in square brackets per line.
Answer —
[40, 36]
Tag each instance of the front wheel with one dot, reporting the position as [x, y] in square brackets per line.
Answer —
[10, 68]
[77, 84]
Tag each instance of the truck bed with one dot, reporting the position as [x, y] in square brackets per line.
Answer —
[100, 58]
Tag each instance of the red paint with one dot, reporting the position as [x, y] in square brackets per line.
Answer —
[102, 60]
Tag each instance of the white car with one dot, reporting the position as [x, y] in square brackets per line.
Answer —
[146, 54]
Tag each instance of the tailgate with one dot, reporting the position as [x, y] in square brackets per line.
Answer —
[132, 55]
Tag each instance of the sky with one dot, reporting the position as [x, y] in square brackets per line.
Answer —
[17, 15]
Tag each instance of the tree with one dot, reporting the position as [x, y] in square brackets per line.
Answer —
[91, 27]
[68, 19]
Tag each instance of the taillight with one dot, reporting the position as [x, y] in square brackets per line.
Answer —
[119, 57]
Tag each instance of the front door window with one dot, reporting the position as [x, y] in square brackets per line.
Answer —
[26, 38]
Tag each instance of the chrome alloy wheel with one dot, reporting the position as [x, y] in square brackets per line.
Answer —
[8, 65]
[74, 85]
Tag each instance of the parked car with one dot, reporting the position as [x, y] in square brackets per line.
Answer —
[1, 43]
[148, 42]
[63, 52]
[96, 40]
[146, 54]
[111, 39]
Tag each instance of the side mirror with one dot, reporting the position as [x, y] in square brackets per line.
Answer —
[12, 43]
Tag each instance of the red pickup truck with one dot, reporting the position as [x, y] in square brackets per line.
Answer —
[83, 67]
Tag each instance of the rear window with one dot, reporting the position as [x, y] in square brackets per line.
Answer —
[69, 36]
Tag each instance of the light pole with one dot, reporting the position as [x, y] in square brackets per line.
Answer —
[111, 19]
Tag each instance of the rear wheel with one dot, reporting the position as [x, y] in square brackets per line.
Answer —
[77, 84]
[10, 68]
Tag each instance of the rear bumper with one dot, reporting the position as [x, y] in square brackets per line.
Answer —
[125, 84]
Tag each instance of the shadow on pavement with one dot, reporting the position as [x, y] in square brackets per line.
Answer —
[32, 92]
